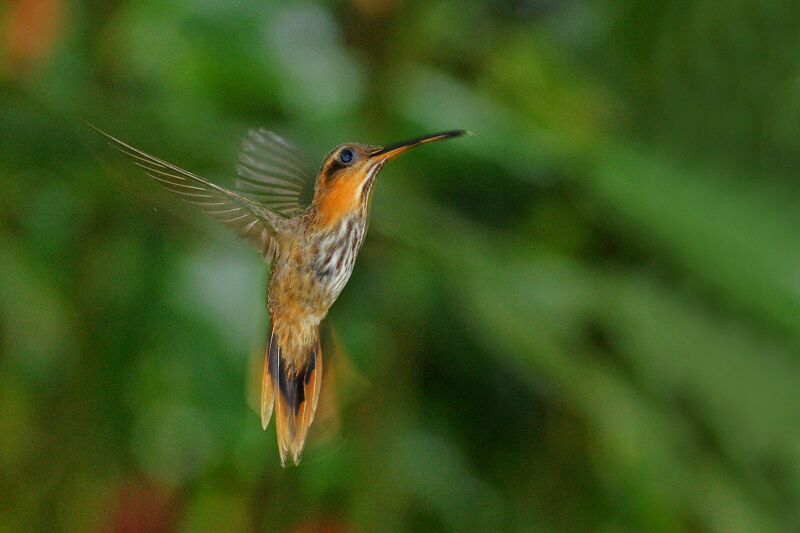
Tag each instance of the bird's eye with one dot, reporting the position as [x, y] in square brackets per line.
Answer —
[346, 155]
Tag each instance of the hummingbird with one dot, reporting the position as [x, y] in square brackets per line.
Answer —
[310, 236]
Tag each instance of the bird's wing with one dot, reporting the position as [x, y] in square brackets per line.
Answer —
[249, 219]
[275, 173]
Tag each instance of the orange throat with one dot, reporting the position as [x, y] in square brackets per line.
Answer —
[339, 200]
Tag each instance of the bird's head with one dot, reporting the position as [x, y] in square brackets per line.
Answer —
[345, 179]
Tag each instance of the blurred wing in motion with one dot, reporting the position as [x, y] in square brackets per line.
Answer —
[275, 173]
[342, 386]
[250, 220]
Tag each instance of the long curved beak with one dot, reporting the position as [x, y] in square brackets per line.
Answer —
[388, 152]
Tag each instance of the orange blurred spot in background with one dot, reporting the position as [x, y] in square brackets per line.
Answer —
[144, 508]
[29, 33]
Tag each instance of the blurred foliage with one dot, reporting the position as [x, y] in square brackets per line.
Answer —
[585, 317]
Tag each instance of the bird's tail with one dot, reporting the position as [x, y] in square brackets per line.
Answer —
[292, 384]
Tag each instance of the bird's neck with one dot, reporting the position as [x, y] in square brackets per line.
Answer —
[334, 204]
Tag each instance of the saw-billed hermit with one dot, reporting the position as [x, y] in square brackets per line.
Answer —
[311, 226]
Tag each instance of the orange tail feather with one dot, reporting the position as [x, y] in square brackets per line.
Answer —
[294, 390]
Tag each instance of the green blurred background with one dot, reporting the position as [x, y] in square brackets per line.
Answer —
[584, 318]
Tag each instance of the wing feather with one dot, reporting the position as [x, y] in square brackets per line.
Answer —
[247, 217]
[275, 173]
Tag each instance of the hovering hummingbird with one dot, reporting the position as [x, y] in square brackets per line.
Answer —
[312, 249]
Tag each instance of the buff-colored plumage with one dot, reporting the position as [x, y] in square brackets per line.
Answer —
[313, 250]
